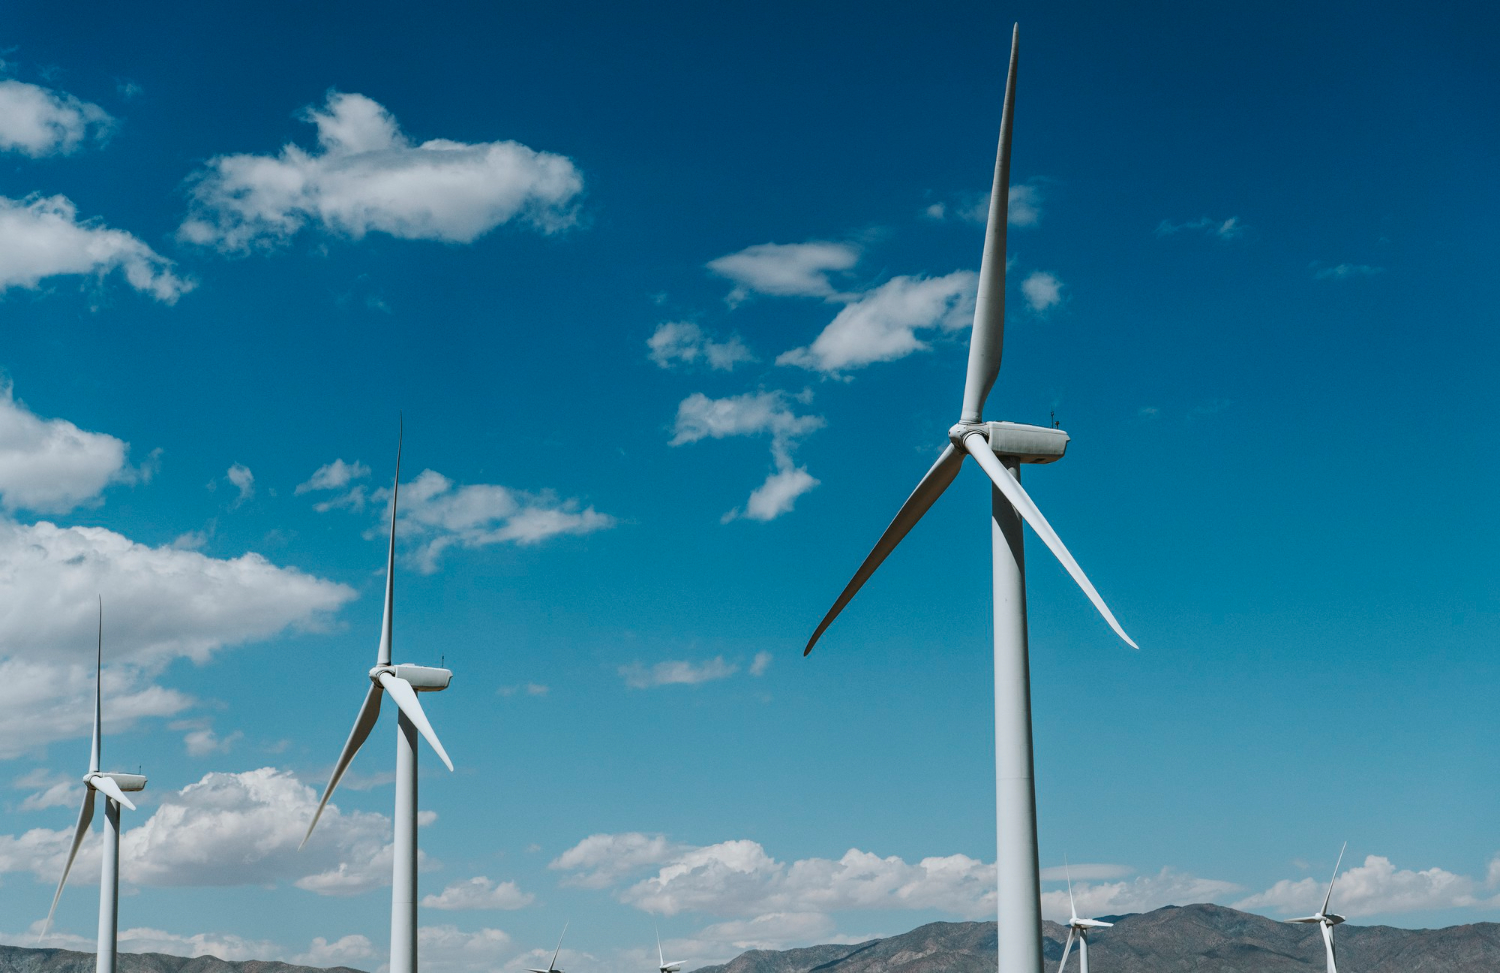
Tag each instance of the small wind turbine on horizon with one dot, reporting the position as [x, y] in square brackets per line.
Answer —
[999, 448]
[113, 786]
[665, 967]
[1078, 929]
[552, 965]
[402, 682]
[1327, 920]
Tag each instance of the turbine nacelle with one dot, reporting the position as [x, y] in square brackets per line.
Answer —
[1015, 440]
[423, 679]
[130, 783]
[1081, 924]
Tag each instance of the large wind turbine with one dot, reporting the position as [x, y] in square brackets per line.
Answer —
[1079, 929]
[665, 967]
[1327, 920]
[403, 682]
[113, 786]
[999, 448]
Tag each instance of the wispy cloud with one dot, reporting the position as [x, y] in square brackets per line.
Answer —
[883, 324]
[1226, 230]
[42, 237]
[1024, 209]
[38, 121]
[681, 672]
[676, 343]
[786, 269]
[368, 177]
[754, 414]
[1345, 271]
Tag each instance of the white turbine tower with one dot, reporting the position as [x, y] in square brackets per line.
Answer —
[1078, 929]
[1327, 920]
[552, 965]
[999, 448]
[403, 682]
[665, 967]
[113, 786]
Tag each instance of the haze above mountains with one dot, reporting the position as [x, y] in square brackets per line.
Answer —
[1197, 938]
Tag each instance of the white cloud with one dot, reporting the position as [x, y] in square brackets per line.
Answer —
[602, 859]
[160, 603]
[479, 893]
[367, 176]
[1140, 894]
[785, 269]
[41, 237]
[200, 739]
[752, 414]
[38, 121]
[447, 949]
[243, 480]
[254, 819]
[760, 663]
[882, 324]
[1346, 271]
[1024, 209]
[333, 476]
[738, 878]
[344, 951]
[1043, 291]
[50, 465]
[48, 790]
[435, 515]
[682, 342]
[1377, 887]
[1230, 229]
[679, 672]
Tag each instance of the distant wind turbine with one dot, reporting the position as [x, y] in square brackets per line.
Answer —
[113, 786]
[402, 682]
[1078, 929]
[1327, 920]
[665, 967]
[552, 966]
[999, 448]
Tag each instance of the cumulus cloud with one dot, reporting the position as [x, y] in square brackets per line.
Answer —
[760, 663]
[47, 789]
[738, 878]
[1043, 291]
[1140, 894]
[144, 939]
[1230, 229]
[1376, 887]
[50, 465]
[367, 176]
[1345, 271]
[200, 740]
[243, 480]
[447, 949]
[882, 324]
[255, 819]
[334, 476]
[684, 343]
[345, 951]
[435, 515]
[785, 269]
[479, 893]
[38, 121]
[754, 414]
[601, 860]
[42, 237]
[679, 672]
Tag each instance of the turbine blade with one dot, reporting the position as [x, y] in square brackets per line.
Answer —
[921, 500]
[363, 724]
[1068, 948]
[553, 964]
[107, 785]
[1068, 873]
[1328, 943]
[85, 816]
[988, 334]
[1305, 919]
[1335, 878]
[1019, 499]
[660, 956]
[405, 697]
[96, 748]
[387, 620]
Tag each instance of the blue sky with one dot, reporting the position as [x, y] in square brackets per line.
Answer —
[673, 304]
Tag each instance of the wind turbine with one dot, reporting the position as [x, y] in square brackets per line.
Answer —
[999, 448]
[402, 682]
[552, 966]
[665, 967]
[1078, 929]
[113, 786]
[1327, 920]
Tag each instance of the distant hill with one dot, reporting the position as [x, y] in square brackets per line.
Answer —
[20, 959]
[1188, 939]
